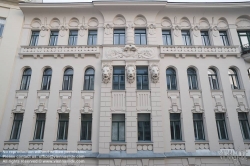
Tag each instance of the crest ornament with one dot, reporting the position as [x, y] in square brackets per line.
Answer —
[154, 72]
[130, 71]
[195, 30]
[43, 29]
[106, 73]
[177, 30]
[151, 29]
[82, 30]
[108, 29]
[62, 30]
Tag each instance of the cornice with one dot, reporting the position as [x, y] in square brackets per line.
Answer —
[208, 5]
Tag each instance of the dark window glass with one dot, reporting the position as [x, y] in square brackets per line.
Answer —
[171, 79]
[205, 38]
[192, 79]
[144, 129]
[166, 37]
[53, 38]
[25, 83]
[175, 126]
[248, 71]
[68, 79]
[224, 38]
[221, 126]
[233, 78]
[34, 38]
[140, 36]
[186, 38]
[39, 128]
[86, 126]
[118, 127]
[244, 40]
[119, 78]
[142, 77]
[73, 35]
[2, 23]
[198, 126]
[244, 125]
[47, 74]
[89, 79]
[119, 36]
[17, 126]
[62, 132]
[92, 38]
[213, 79]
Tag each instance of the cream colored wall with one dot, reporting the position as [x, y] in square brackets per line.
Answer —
[9, 43]
[96, 17]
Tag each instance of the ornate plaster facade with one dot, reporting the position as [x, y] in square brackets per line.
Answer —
[102, 101]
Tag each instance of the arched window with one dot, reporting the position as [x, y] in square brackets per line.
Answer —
[89, 79]
[192, 79]
[213, 79]
[68, 79]
[233, 77]
[25, 83]
[46, 79]
[171, 79]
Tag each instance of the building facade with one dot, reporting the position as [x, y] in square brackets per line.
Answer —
[132, 83]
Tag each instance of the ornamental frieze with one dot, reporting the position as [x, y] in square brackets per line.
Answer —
[130, 51]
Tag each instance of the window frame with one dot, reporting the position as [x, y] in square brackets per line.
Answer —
[184, 38]
[173, 123]
[246, 123]
[118, 127]
[247, 48]
[19, 123]
[69, 86]
[89, 80]
[42, 124]
[92, 37]
[73, 36]
[140, 35]
[196, 130]
[34, 38]
[143, 127]
[48, 79]
[224, 38]
[165, 37]
[205, 38]
[27, 80]
[142, 76]
[54, 37]
[172, 77]
[119, 77]
[65, 127]
[210, 79]
[221, 122]
[119, 37]
[192, 78]
[88, 122]
[234, 78]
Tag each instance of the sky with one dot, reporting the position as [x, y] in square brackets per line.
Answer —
[166, 0]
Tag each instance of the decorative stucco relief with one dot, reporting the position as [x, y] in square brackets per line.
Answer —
[177, 30]
[82, 30]
[118, 101]
[129, 51]
[88, 100]
[118, 147]
[84, 146]
[178, 146]
[197, 107]
[201, 146]
[196, 30]
[219, 102]
[65, 102]
[130, 72]
[60, 146]
[151, 29]
[154, 72]
[143, 101]
[241, 101]
[108, 29]
[20, 102]
[145, 147]
[42, 102]
[11, 145]
[106, 73]
[36, 146]
[215, 30]
[175, 102]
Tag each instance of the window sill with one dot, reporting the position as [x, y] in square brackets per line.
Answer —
[36, 141]
[118, 143]
[146, 90]
[144, 142]
[197, 90]
[65, 91]
[118, 90]
[174, 91]
[61, 141]
[85, 142]
[238, 90]
[177, 141]
[246, 140]
[43, 91]
[216, 90]
[201, 141]
[226, 141]
[87, 91]
[22, 91]
[12, 141]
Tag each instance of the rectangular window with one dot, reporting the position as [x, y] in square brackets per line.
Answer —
[140, 36]
[34, 38]
[119, 36]
[186, 38]
[119, 78]
[62, 132]
[166, 37]
[73, 35]
[244, 40]
[221, 126]
[224, 38]
[142, 77]
[198, 126]
[144, 128]
[92, 38]
[205, 38]
[39, 128]
[86, 126]
[2, 23]
[118, 127]
[244, 125]
[17, 126]
[53, 38]
[175, 126]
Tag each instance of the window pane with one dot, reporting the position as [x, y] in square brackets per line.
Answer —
[121, 131]
[137, 39]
